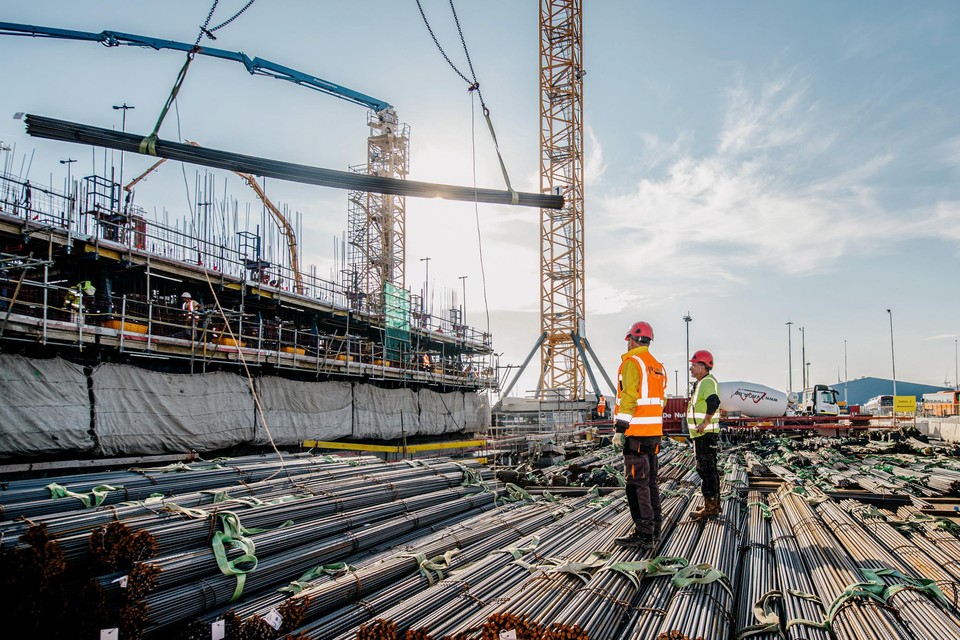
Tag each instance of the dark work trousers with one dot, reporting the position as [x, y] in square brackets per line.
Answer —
[643, 495]
[705, 449]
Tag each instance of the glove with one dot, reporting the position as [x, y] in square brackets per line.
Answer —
[618, 439]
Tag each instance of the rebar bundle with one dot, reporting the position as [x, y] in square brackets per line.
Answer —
[430, 560]
[925, 617]
[756, 597]
[802, 615]
[702, 605]
[850, 613]
[50, 128]
[598, 608]
[460, 604]
[914, 552]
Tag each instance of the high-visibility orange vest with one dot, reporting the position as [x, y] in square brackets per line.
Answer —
[602, 406]
[647, 416]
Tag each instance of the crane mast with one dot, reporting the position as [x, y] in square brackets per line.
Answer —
[562, 303]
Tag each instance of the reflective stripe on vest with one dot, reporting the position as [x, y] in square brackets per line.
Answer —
[697, 410]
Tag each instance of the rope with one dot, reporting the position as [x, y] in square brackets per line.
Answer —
[472, 85]
[149, 144]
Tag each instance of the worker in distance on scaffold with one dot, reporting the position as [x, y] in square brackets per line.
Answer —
[704, 426]
[638, 426]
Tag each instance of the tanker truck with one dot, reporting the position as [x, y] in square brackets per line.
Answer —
[753, 400]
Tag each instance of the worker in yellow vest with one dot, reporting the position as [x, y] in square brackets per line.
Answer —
[638, 427]
[704, 426]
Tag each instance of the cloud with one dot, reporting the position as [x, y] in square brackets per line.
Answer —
[784, 188]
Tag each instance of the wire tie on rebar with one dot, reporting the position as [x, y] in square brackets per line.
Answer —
[925, 585]
[767, 619]
[232, 534]
[173, 507]
[97, 495]
[764, 509]
[703, 573]
[335, 569]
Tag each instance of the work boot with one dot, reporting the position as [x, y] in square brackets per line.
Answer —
[646, 542]
[711, 509]
[631, 541]
[657, 527]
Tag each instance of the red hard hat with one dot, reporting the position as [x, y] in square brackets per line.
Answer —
[640, 330]
[704, 357]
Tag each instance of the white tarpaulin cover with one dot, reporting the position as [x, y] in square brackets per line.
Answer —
[476, 412]
[44, 406]
[295, 411]
[440, 412]
[385, 414]
[147, 412]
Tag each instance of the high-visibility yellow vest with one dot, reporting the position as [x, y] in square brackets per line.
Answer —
[697, 406]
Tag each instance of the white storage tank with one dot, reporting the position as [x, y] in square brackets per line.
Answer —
[752, 400]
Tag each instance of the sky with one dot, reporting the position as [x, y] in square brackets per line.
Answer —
[750, 163]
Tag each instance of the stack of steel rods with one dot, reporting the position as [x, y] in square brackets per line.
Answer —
[547, 585]
[187, 601]
[924, 617]
[319, 473]
[597, 609]
[459, 597]
[169, 527]
[29, 499]
[703, 610]
[193, 558]
[112, 139]
[485, 532]
[832, 573]
[347, 620]
[906, 550]
[928, 535]
[650, 604]
[802, 614]
[758, 568]
[683, 540]
[527, 606]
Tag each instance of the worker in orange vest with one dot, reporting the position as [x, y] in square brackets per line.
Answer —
[602, 407]
[638, 426]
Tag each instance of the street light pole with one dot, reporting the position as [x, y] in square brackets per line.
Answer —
[789, 358]
[676, 382]
[845, 376]
[687, 320]
[956, 368]
[893, 357]
[803, 357]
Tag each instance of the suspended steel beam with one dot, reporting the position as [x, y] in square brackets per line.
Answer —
[50, 128]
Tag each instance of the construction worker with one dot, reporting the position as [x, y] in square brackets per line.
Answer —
[602, 407]
[704, 426]
[74, 297]
[638, 427]
[191, 308]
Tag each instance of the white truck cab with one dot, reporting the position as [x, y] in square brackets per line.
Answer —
[820, 400]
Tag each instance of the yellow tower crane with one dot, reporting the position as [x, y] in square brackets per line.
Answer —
[561, 172]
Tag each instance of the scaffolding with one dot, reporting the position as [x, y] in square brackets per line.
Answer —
[376, 222]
